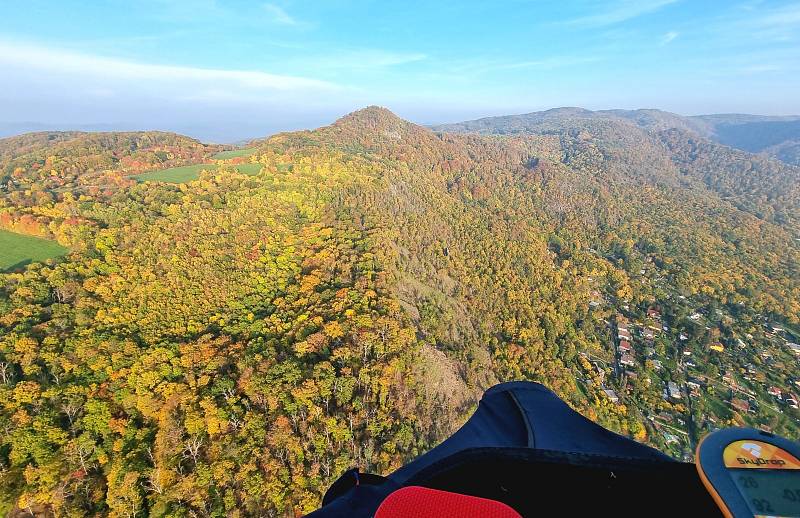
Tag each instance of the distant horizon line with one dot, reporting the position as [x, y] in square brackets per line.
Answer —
[8, 128]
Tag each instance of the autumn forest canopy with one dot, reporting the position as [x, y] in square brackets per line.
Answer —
[220, 331]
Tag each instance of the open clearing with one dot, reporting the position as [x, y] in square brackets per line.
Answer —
[181, 174]
[188, 173]
[17, 250]
[234, 153]
[251, 169]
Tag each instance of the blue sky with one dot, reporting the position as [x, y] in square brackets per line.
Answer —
[230, 69]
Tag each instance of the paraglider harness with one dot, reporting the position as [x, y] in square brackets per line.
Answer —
[524, 452]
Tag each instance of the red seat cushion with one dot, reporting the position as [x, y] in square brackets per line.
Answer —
[421, 502]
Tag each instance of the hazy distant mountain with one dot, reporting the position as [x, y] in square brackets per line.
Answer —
[9, 129]
[228, 132]
[776, 137]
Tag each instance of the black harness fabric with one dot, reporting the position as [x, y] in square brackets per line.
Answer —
[515, 415]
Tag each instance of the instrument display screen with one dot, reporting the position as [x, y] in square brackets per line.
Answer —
[770, 492]
[751, 473]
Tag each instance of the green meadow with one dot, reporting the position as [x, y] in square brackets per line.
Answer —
[251, 169]
[188, 173]
[17, 250]
[181, 174]
[234, 153]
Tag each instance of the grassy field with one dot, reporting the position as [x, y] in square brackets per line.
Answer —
[251, 169]
[235, 153]
[182, 174]
[188, 173]
[17, 250]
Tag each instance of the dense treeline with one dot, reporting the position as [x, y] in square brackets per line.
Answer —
[766, 188]
[198, 360]
[231, 345]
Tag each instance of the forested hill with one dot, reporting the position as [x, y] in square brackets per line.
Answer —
[24, 151]
[47, 170]
[772, 137]
[765, 187]
[231, 344]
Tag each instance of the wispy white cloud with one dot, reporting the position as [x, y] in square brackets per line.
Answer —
[65, 88]
[549, 63]
[761, 68]
[772, 63]
[279, 15]
[781, 23]
[474, 68]
[110, 70]
[361, 59]
[198, 16]
[668, 38]
[619, 11]
[757, 23]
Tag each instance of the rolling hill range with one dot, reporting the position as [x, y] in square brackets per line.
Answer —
[771, 137]
[755, 183]
[233, 343]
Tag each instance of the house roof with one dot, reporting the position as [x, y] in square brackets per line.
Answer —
[740, 404]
